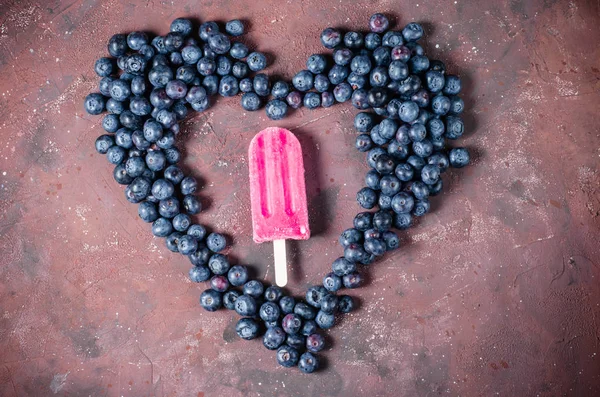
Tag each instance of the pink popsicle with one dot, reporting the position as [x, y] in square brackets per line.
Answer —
[277, 190]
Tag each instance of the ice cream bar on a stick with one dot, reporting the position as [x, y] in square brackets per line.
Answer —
[277, 193]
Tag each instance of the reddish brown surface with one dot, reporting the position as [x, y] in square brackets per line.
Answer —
[495, 292]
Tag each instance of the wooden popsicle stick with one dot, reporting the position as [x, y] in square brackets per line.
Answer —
[280, 262]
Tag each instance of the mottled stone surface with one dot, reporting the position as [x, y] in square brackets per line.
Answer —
[495, 292]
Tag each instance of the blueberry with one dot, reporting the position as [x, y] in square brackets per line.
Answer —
[402, 221]
[312, 100]
[418, 64]
[134, 65]
[345, 304]
[219, 43]
[303, 80]
[192, 205]
[400, 53]
[168, 208]
[372, 233]
[251, 102]
[246, 85]
[325, 320]
[206, 66]
[160, 75]
[167, 141]
[201, 256]
[315, 342]
[104, 86]
[159, 99]
[254, 288]
[421, 208]
[398, 70]
[273, 338]
[172, 240]
[238, 51]
[403, 203]
[332, 282]
[416, 162]
[237, 275]
[159, 44]
[352, 280]
[397, 151]
[314, 295]
[391, 240]
[357, 80]
[103, 143]
[229, 299]
[374, 246]
[412, 32]
[276, 109]
[453, 85]
[153, 131]
[182, 26]
[147, 211]
[309, 327]
[137, 137]
[176, 89]
[218, 283]
[331, 38]
[360, 99]
[377, 97]
[321, 83]
[354, 40]
[382, 56]
[210, 84]
[130, 120]
[408, 112]
[207, 29]
[181, 222]
[342, 92]
[188, 185]
[269, 311]
[350, 236]
[435, 81]
[440, 105]
[116, 154]
[261, 84]
[199, 273]
[342, 56]
[378, 23]
[421, 98]
[308, 363]
[256, 61]
[354, 253]
[423, 149]
[140, 106]
[273, 293]
[197, 231]
[454, 127]
[436, 189]
[390, 185]
[208, 52]
[94, 103]
[228, 86]
[196, 94]
[247, 328]
[162, 227]
[385, 164]
[363, 221]
[294, 99]
[337, 74]
[280, 89]
[366, 198]
[234, 27]
[104, 67]
[316, 63]
[419, 190]
[457, 105]
[327, 99]
[291, 323]
[135, 166]
[245, 305]
[117, 45]
[287, 304]
[373, 155]
[341, 266]
[382, 221]
[121, 176]
[219, 264]
[361, 65]
[147, 51]
[211, 300]
[384, 202]
[305, 311]
[223, 65]
[297, 341]
[173, 41]
[409, 86]
[363, 122]
[156, 160]
[459, 157]
[329, 303]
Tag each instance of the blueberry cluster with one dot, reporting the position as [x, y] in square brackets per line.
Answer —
[148, 87]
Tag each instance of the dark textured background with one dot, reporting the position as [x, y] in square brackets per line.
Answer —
[495, 292]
